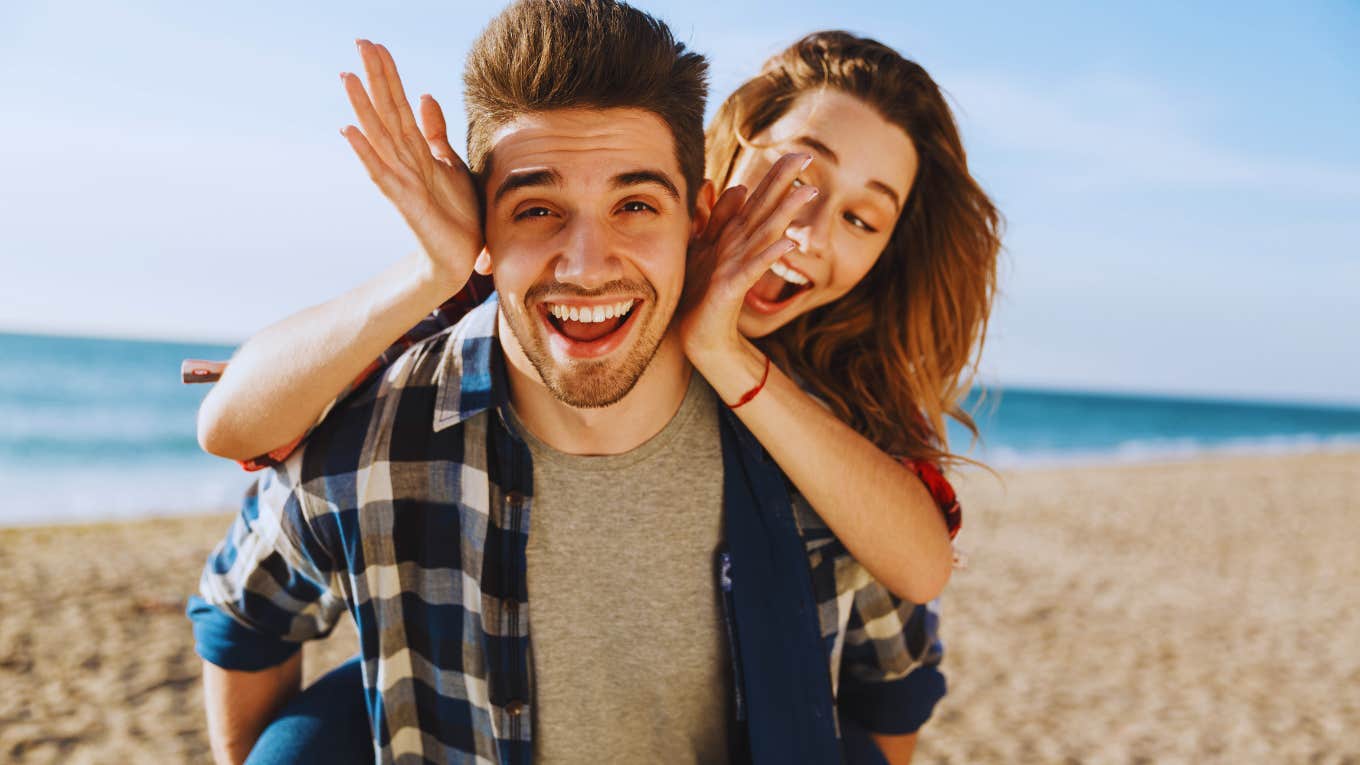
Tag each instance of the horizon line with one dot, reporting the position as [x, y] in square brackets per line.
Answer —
[989, 385]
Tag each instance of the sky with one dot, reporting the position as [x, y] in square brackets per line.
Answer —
[1181, 185]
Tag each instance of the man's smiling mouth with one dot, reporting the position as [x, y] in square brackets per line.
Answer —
[588, 328]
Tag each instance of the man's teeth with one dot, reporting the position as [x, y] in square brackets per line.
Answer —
[589, 314]
[788, 274]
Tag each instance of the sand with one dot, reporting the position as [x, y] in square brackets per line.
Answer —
[1188, 612]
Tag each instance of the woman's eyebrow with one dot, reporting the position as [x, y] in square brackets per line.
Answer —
[819, 147]
[884, 188]
[873, 185]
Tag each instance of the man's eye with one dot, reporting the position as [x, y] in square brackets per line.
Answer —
[859, 223]
[533, 212]
[636, 206]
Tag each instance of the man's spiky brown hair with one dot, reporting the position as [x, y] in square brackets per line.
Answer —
[541, 55]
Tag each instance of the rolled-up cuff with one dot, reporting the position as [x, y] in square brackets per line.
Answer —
[898, 706]
[225, 642]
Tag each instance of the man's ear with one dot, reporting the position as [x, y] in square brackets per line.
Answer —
[483, 263]
[703, 208]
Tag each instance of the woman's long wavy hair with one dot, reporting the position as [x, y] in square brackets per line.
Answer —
[899, 352]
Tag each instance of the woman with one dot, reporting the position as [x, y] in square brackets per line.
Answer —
[873, 296]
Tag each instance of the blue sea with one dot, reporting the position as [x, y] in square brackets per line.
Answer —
[95, 429]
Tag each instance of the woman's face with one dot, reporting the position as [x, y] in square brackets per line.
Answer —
[863, 167]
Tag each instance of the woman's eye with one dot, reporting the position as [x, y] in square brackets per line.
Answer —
[858, 222]
[533, 212]
[636, 206]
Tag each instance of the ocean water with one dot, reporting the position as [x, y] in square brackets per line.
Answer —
[1025, 427]
[95, 429]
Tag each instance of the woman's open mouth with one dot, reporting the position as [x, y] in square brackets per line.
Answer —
[776, 288]
[588, 329]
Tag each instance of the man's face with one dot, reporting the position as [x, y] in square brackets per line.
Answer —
[587, 229]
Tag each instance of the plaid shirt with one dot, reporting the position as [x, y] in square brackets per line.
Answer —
[408, 508]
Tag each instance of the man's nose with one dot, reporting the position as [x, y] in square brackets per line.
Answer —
[586, 258]
[811, 228]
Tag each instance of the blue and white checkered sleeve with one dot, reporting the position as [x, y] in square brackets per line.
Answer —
[268, 586]
[890, 677]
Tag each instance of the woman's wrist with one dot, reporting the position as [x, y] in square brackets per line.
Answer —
[429, 283]
[731, 371]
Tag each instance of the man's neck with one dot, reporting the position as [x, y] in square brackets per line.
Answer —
[614, 429]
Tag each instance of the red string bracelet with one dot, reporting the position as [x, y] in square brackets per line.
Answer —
[750, 394]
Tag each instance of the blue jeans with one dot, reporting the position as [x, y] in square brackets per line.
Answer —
[326, 723]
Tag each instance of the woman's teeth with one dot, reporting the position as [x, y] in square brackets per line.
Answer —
[788, 274]
[590, 314]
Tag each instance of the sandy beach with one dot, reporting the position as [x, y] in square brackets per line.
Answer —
[1199, 611]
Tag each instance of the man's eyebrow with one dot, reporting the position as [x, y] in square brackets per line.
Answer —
[874, 185]
[636, 177]
[524, 179]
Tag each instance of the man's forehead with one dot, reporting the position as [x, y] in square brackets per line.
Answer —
[583, 139]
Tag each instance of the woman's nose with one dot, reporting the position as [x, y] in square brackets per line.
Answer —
[811, 228]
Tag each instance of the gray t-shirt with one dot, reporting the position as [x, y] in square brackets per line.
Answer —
[630, 660]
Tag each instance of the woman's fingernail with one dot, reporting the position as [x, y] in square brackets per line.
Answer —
[812, 192]
[806, 161]
[789, 244]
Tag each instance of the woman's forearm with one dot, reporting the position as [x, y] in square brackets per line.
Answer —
[879, 509]
[282, 379]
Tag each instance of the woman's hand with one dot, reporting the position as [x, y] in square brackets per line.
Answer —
[743, 238]
[418, 171]
[878, 508]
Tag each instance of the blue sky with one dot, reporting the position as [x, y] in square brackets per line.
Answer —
[1182, 186]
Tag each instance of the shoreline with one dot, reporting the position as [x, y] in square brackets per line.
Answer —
[1136, 453]
[1185, 611]
[1282, 447]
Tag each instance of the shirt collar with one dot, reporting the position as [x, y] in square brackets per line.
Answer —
[471, 375]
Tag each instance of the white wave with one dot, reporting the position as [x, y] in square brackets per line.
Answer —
[103, 494]
[1143, 451]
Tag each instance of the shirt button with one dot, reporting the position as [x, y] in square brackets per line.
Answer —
[515, 708]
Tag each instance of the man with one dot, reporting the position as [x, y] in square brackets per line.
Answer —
[675, 615]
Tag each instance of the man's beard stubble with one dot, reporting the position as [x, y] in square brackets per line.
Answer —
[588, 383]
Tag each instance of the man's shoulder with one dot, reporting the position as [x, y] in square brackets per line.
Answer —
[399, 403]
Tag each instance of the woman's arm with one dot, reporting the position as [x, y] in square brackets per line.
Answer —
[281, 381]
[876, 506]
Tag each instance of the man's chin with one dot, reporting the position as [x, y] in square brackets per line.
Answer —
[591, 384]
[589, 379]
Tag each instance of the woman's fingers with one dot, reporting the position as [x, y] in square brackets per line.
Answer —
[377, 84]
[377, 169]
[773, 226]
[436, 132]
[369, 120]
[749, 273]
[406, 119]
[773, 187]
[724, 210]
